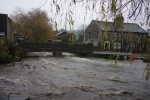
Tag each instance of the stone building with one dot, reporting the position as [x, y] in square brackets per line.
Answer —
[66, 36]
[6, 28]
[105, 35]
[148, 32]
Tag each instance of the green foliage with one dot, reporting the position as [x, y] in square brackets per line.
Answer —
[5, 58]
[113, 6]
[147, 69]
[106, 26]
[72, 38]
[131, 42]
[11, 54]
[16, 58]
[56, 26]
[116, 60]
[103, 9]
[119, 20]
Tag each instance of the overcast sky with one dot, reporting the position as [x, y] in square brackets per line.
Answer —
[79, 14]
[9, 6]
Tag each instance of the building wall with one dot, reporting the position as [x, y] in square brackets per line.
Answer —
[3, 23]
[149, 32]
[93, 34]
[135, 42]
[10, 31]
[6, 27]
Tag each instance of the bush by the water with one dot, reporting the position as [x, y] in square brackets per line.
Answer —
[8, 53]
[5, 58]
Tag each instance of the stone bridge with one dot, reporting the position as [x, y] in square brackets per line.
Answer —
[57, 47]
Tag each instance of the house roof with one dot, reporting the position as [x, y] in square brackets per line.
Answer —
[127, 27]
[61, 33]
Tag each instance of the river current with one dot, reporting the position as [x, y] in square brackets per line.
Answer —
[75, 78]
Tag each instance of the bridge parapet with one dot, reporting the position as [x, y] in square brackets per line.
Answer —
[83, 49]
[57, 47]
[43, 46]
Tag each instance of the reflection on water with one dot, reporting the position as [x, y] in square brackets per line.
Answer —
[75, 78]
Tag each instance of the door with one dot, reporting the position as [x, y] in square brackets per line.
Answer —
[106, 45]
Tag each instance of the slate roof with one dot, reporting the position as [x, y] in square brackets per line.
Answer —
[127, 27]
[61, 33]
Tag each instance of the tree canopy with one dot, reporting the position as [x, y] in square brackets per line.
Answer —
[34, 25]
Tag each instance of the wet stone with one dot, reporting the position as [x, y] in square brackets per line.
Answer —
[18, 97]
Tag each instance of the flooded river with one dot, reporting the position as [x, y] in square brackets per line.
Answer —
[75, 78]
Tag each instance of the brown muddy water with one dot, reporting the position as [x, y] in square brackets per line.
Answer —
[75, 78]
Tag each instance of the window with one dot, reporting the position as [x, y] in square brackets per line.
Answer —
[134, 45]
[117, 45]
[2, 34]
[115, 34]
[119, 35]
[143, 45]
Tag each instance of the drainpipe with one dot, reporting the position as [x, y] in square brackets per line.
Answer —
[102, 40]
[84, 33]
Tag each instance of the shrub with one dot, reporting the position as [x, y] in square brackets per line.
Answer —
[9, 53]
[5, 58]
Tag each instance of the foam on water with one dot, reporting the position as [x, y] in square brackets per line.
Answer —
[127, 63]
[86, 77]
[39, 54]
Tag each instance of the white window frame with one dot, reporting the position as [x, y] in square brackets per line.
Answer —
[108, 44]
[117, 45]
[115, 34]
[2, 34]
[134, 44]
[119, 35]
